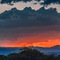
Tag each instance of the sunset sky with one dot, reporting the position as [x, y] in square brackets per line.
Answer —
[26, 23]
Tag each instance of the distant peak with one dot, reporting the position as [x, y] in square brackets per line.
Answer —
[56, 46]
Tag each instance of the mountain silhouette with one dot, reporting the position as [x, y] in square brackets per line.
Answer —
[57, 46]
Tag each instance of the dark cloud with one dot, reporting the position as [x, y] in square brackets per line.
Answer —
[27, 18]
[45, 1]
[29, 24]
[51, 1]
[10, 1]
[12, 34]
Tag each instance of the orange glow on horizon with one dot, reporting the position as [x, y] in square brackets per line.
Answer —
[40, 39]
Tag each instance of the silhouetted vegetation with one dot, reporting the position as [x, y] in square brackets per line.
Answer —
[29, 54]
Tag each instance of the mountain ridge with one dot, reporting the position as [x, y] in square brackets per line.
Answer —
[56, 46]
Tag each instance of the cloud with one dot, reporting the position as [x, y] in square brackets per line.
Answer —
[29, 35]
[27, 18]
[51, 1]
[21, 5]
[20, 23]
[10, 2]
[29, 26]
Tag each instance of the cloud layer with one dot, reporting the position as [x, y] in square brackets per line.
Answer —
[29, 27]
[28, 18]
[10, 2]
[13, 1]
[51, 1]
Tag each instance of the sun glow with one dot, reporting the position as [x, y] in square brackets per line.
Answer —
[48, 43]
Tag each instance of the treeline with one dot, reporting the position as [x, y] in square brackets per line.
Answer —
[29, 54]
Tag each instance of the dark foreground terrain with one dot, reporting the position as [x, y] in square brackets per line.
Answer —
[29, 54]
[52, 50]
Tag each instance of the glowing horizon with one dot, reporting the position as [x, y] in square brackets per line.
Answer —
[33, 43]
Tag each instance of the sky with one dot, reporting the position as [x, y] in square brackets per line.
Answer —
[26, 23]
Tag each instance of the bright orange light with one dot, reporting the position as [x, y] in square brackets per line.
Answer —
[49, 43]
